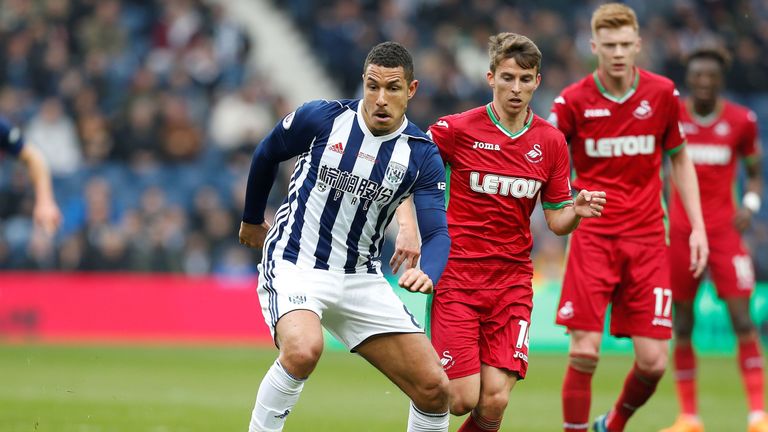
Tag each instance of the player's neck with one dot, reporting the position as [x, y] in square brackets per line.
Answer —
[704, 110]
[511, 122]
[617, 86]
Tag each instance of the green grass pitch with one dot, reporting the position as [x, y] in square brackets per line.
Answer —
[203, 389]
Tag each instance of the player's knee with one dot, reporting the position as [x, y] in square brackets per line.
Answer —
[461, 406]
[300, 360]
[652, 366]
[583, 361]
[743, 325]
[432, 392]
[494, 404]
[683, 328]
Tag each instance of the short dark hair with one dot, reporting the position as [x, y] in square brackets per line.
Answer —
[391, 55]
[712, 53]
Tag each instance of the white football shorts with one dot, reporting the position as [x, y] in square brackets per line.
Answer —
[352, 307]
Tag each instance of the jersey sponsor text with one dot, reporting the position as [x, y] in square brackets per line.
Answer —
[632, 145]
[502, 185]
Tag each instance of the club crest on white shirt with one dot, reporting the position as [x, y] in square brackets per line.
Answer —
[395, 173]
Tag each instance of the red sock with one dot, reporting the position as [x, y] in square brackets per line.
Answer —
[638, 388]
[477, 423]
[751, 365]
[577, 395]
[685, 378]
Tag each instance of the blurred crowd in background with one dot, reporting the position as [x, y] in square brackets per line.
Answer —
[148, 111]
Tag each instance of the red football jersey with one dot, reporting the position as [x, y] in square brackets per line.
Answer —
[715, 146]
[496, 178]
[617, 144]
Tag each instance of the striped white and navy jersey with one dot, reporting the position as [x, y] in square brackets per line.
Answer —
[345, 187]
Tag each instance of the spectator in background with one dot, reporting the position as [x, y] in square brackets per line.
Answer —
[240, 120]
[53, 129]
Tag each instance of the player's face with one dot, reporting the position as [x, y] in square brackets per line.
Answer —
[616, 50]
[513, 86]
[385, 98]
[705, 79]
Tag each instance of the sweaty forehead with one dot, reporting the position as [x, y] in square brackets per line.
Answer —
[384, 74]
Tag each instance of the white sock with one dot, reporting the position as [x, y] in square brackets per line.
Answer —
[277, 395]
[420, 421]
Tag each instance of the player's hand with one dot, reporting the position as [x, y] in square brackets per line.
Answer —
[47, 216]
[589, 204]
[743, 219]
[407, 249]
[699, 251]
[253, 235]
[415, 280]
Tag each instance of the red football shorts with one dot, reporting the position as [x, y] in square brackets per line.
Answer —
[488, 326]
[631, 275]
[729, 265]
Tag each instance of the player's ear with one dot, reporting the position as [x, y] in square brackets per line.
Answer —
[593, 46]
[538, 81]
[491, 79]
[412, 88]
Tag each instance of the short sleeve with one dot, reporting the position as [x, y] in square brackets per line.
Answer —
[561, 117]
[11, 139]
[556, 192]
[674, 137]
[749, 145]
[442, 133]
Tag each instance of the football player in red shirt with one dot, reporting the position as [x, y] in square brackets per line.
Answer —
[619, 121]
[503, 158]
[719, 134]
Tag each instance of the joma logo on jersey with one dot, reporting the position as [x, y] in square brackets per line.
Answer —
[344, 181]
[485, 146]
[597, 112]
[709, 154]
[620, 146]
[502, 185]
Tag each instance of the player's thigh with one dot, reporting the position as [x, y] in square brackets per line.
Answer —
[283, 288]
[368, 307]
[591, 276]
[642, 305]
[684, 285]
[407, 359]
[455, 330]
[730, 265]
[504, 329]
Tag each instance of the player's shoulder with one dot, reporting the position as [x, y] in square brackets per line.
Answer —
[10, 137]
[576, 91]
[318, 112]
[415, 134]
[655, 81]
[738, 112]
[459, 120]
[546, 129]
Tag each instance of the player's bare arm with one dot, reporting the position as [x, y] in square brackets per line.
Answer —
[253, 235]
[751, 201]
[587, 204]
[684, 177]
[46, 213]
[407, 246]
